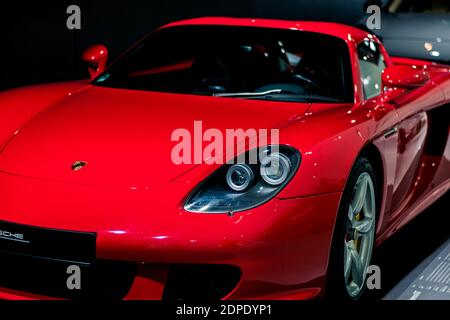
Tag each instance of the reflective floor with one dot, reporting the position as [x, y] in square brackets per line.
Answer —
[412, 255]
[428, 281]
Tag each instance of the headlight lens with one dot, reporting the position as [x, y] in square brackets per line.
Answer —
[240, 177]
[240, 187]
[275, 168]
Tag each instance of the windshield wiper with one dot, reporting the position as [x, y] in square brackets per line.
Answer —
[276, 94]
[249, 94]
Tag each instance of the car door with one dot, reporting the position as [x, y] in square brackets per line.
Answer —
[419, 133]
[403, 145]
[372, 62]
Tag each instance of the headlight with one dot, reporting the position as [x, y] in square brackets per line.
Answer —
[240, 187]
[275, 168]
[240, 177]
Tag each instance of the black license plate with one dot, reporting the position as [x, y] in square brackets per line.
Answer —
[47, 243]
[41, 261]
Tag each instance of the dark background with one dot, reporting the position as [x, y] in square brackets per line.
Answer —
[37, 47]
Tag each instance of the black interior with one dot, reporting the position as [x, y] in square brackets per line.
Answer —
[219, 59]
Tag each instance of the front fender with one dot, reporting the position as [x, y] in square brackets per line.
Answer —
[330, 140]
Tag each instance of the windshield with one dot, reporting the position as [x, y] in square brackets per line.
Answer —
[420, 6]
[239, 62]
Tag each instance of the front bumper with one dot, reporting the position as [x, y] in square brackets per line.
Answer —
[281, 248]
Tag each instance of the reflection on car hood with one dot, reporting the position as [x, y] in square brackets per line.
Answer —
[125, 136]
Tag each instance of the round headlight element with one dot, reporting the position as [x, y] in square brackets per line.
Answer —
[239, 177]
[275, 168]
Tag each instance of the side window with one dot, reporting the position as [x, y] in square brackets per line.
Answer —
[372, 64]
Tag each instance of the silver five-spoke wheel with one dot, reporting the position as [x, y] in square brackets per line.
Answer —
[360, 234]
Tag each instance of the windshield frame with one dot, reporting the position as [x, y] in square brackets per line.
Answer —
[347, 70]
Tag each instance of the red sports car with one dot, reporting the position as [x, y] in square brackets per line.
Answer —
[101, 195]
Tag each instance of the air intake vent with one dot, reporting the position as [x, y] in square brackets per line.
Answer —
[201, 282]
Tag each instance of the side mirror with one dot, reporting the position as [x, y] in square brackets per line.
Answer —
[398, 79]
[96, 57]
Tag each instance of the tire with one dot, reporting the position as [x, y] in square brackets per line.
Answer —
[354, 234]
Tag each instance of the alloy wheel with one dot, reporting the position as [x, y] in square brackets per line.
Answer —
[360, 234]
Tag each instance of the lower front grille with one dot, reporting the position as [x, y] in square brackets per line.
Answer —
[50, 262]
[101, 279]
[201, 282]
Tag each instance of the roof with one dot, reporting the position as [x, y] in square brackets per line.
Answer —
[342, 31]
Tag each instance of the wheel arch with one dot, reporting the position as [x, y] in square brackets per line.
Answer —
[372, 153]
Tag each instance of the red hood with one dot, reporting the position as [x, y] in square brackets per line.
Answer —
[125, 136]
